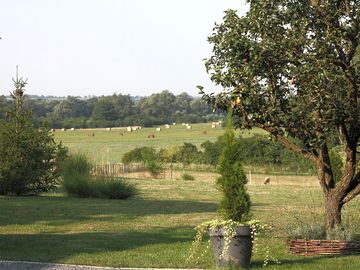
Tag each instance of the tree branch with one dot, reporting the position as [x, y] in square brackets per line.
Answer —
[355, 191]
[290, 145]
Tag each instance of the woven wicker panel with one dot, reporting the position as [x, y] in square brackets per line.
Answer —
[323, 247]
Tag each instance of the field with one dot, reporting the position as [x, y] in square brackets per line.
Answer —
[154, 229]
[109, 146]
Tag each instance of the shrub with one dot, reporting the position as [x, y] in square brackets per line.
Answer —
[148, 156]
[78, 181]
[319, 232]
[187, 154]
[235, 202]
[308, 231]
[112, 188]
[29, 157]
[341, 233]
[187, 177]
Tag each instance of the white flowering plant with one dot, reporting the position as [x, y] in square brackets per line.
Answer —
[257, 229]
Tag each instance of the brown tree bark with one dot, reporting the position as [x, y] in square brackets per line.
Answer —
[333, 207]
[333, 203]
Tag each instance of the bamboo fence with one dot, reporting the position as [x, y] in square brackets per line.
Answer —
[117, 169]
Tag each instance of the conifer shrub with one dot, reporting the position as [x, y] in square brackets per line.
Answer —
[235, 201]
[29, 157]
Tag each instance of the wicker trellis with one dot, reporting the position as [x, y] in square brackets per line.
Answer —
[323, 247]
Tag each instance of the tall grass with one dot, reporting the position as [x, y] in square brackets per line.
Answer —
[78, 181]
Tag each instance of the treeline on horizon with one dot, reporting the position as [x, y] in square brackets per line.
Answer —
[116, 110]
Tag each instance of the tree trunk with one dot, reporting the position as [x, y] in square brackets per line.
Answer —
[333, 208]
[333, 203]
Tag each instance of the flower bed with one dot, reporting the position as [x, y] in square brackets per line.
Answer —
[323, 247]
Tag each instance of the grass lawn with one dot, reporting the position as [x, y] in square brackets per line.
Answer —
[154, 229]
[109, 146]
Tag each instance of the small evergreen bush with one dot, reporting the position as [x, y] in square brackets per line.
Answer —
[235, 202]
[78, 181]
[29, 157]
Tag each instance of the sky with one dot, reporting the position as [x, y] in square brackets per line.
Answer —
[102, 47]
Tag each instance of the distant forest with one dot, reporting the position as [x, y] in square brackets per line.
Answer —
[116, 110]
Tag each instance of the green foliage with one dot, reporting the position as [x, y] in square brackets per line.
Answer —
[187, 177]
[148, 156]
[29, 157]
[187, 154]
[78, 181]
[235, 201]
[258, 151]
[337, 164]
[212, 151]
[309, 232]
[134, 155]
[341, 233]
[319, 232]
[292, 69]
[118, 110]
[154, 167]
[169, 154]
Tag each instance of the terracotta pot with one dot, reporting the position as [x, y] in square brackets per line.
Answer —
[240, 248]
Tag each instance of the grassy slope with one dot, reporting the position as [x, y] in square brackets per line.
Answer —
[109, 146]
[154, 229]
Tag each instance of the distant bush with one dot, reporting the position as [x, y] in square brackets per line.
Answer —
[78, 181]
[260, 152]
[148, 156]
[187, 177]
[187, 154]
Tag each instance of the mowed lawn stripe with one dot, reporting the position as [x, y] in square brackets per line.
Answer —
[154, 229]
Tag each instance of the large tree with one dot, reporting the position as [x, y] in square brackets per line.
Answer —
[290, 68]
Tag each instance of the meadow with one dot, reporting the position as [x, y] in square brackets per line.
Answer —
[104, 146]
[156, 228]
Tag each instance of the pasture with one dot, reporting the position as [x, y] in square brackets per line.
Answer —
[154, 229]
[104, 146]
